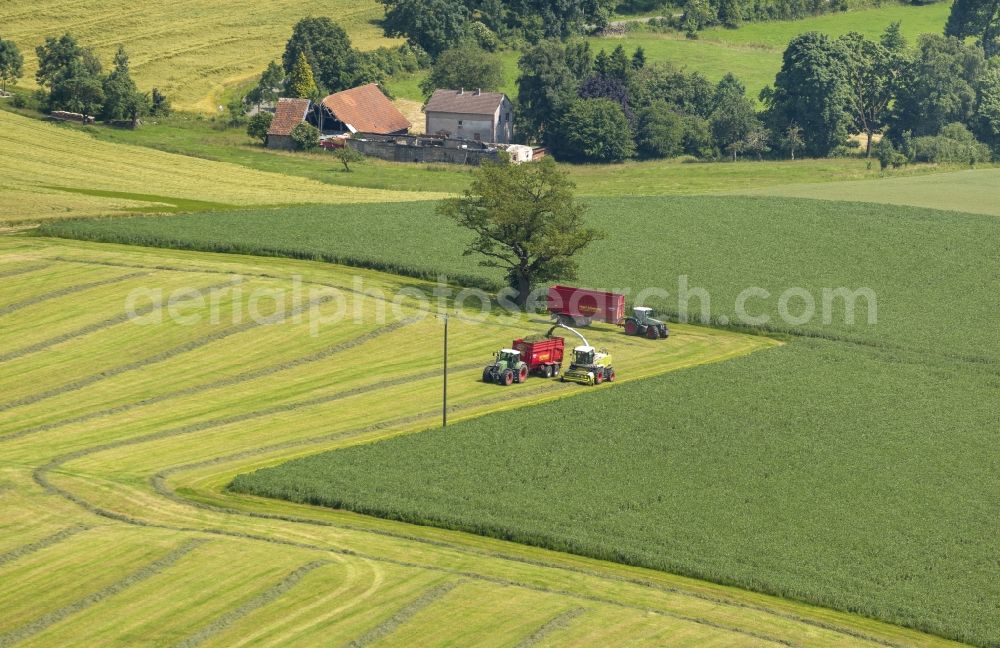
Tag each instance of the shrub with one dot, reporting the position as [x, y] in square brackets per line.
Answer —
[954, 144]
[305, 136]
[259, 124]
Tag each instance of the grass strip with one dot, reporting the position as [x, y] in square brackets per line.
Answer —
[51, 618]
[68, 290]
[393, 623]
[38, 545]
[257, 602]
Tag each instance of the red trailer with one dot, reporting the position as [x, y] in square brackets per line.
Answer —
[543, 357]
[579, 307]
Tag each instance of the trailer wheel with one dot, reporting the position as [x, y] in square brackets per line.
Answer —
[652, 333]
[508, 377]
[547, 371]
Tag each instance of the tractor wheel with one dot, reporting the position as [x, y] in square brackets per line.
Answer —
[611, 375]
[508, 378]
[652, 333]
[522, 375]
[631, 327]
[487, 376]
[599, 377]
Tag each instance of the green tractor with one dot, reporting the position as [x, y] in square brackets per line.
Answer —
[589, 367]
[508, 368]
[641, 322]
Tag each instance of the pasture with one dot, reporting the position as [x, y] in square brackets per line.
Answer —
[118, 528]
[50, 171]
[212, 140]
[753, 51]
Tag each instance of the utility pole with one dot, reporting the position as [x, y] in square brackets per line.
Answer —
[444, 400]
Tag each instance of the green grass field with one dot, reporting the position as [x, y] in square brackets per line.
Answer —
[753, 52]
[117, 528]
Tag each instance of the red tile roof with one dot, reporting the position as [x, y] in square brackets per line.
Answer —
[464, 101]
[288, 114]
[366, 110]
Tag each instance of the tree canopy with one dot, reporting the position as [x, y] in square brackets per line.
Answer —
[810, 91]
[465, 66]
[977, 18]
[11, 63]
[327, 48]
[526, 221]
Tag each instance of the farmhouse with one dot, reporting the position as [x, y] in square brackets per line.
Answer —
[288, 114]
[472, 115]
[362, 110]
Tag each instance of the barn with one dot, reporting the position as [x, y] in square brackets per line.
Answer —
[288, 114]
[364, 109]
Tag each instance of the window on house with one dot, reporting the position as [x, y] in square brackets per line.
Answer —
[459, 122]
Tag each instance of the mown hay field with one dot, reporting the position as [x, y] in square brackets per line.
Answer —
[48, 171]
[191, 50]
[118, 529]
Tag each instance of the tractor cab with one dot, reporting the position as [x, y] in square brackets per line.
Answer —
[643, 314]
[508, 358]
[584, 355]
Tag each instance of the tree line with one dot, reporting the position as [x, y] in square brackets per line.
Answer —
[71, 78]
[938, 100]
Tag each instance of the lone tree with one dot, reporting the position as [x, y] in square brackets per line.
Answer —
[348, 156]
[11, 63]
[526, 221]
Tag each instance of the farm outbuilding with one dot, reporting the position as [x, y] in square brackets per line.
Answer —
[470, 115]
[364, 109]
[288, 114]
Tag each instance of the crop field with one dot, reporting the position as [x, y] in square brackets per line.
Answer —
[753, 52]
[117, 527]
[51, 172]
[190, 50]
[899, 412]
[937, 260]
